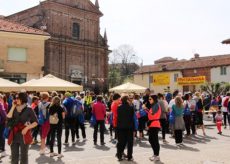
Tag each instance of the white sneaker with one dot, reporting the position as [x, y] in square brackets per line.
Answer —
[42, 152]
[178, 145]
[3, 154]
[165, 141]
[53, 154]
[155, 158]
[152, 158]
[60, 155]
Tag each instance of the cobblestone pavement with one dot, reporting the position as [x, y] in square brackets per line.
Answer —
[211, 149]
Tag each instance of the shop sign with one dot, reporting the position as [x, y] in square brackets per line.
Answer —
[161, 79]
[191, 80]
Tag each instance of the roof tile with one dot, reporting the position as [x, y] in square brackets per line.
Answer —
[201, 62]
[10, 26]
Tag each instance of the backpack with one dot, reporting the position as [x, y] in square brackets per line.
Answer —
[225, 104]
[187, 110]
[135, 120]
[76, 109]
[54, 119]
[41, 118]
[172, 117]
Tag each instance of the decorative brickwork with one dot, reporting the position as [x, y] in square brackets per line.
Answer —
[83, 59]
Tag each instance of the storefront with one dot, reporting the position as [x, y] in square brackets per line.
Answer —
[191, 84]
[17, 78]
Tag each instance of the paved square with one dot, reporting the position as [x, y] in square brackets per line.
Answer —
[211, 149]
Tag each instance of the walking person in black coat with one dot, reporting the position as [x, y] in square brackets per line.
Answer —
[125, 128]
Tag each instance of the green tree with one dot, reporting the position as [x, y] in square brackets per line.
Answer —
[123, 63]
[216, 88]
[114, 77]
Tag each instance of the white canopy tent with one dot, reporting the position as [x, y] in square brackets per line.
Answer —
[50, 83]
[128, 88]
[8, 86]
[28, 83]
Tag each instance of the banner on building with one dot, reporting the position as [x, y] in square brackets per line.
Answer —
[161, 79]
[191, 80]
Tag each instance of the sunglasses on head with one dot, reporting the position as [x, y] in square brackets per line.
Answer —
[150, 99]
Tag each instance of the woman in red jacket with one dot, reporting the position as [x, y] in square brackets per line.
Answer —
[116, 102]
[99, 111]
[154, 126]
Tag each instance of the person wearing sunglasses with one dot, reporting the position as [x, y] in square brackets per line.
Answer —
[154, 126]
[23, 121]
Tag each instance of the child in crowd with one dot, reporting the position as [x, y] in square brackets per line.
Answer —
[219, 119]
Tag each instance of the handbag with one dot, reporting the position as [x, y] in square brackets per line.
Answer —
[54, 119]
[143, 113]
[6, 132]
[93, 120]
[81, 118]
[135, 120]
[187, 111]
[172, 118]
[41, 118]
[28, 138]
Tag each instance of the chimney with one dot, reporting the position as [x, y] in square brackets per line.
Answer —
[164, 67]
[196, 56]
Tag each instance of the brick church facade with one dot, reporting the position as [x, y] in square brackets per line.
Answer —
[76, 51]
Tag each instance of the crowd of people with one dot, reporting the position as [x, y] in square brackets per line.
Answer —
[25, 116]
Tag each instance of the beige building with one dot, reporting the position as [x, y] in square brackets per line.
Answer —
[159, 82]
[21, 51]
[169, 74]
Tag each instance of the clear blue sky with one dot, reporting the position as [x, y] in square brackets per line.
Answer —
[159, 28]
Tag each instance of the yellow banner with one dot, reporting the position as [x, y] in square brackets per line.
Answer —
[191, 80]
[161, 79]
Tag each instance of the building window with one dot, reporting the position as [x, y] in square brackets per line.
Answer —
[175, 77]
[223, 71]
[76, 30]
[151, 79]
[17, 54]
